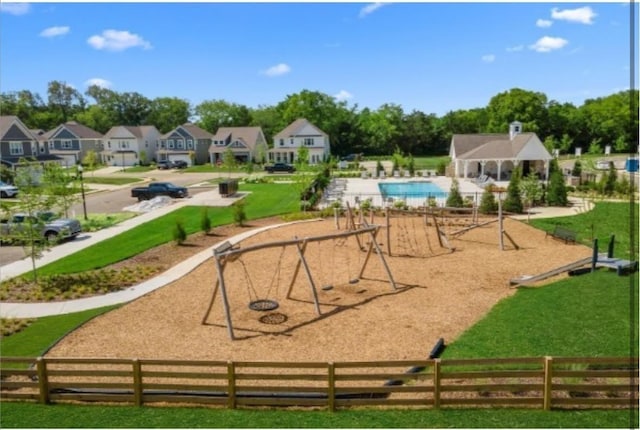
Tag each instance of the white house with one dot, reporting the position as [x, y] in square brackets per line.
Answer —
[130, 145]
[496, 155]
[300, 133]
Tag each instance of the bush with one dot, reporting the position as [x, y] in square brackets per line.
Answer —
[205, 221]
[557, 194]
[488, 203]
[239, 214]
[179, 233]
[513, 202]
[455, 198]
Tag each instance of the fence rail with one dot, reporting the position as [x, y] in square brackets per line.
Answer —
[544, 382]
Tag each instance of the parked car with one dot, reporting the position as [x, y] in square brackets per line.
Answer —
[7, 190]
[52, 228]
[163, 165]
[179, 164]
[352, 157]
[280, 167]
[159, 189]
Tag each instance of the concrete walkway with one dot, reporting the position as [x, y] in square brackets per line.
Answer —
[210, 198]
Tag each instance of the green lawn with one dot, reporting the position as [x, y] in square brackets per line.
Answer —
[263, 200]
[109, 180]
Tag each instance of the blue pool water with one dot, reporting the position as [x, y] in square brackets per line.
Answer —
[417, 189]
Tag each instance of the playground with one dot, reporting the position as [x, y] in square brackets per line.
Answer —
[341, 297]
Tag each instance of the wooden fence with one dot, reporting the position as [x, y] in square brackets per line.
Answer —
[543, 383]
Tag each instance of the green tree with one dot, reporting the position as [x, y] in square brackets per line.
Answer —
[528, 107]
[621, 145]
[214, 114]
[58, 183]
[166, 113]
[302, 157]
[239, 214]
[205, 221]
[557, 192]
[33, 201]
[488, 203]
[565, 143]
[179, 232]
[550, 143]
[608, 181]
[90, 160]
[594, 147]
[229, 160]
[65, 100]
[531, 191]
[513, 201]
[454, 200]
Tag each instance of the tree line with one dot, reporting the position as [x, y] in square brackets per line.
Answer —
[598, 122]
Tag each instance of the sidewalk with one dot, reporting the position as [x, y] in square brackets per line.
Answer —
[212, 198]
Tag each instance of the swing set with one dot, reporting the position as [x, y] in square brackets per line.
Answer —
[263, 298]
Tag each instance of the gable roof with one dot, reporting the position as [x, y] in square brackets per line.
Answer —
[78, 130]
[491, 147]
[247, 134]
[300, 127]
[193, 131]
[133, 131]
[11, 128]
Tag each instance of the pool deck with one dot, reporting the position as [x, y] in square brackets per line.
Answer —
[348, 189]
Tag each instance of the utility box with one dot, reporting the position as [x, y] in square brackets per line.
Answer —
[228, 188]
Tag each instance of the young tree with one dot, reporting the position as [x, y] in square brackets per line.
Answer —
[302, 157]
[59, 184]
[179, 233]
[91, 160]
[229, 160]
[531, 191]
[205, 221]
[33, 201]
[513, 201]
[557, 193]
[488, 203]
[454, 200]
[239, 214]
[608, 181]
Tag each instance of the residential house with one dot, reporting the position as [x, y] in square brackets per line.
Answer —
[187, 142]
[300, 133]
[130, 145]
[72, 141]
[496, 155]
[18, 142]
[248, 144]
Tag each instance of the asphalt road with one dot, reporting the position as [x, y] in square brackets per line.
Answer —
[114, 201]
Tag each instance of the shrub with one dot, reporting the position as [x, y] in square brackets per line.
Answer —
[455, 198]
[205, 221]
[488, 203]
[557, 194]
[513, 202]
[179, 233]
[239, 214]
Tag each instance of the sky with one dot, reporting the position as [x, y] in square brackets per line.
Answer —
[430, 57]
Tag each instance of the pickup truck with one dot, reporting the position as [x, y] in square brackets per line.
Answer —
[159, 189]
[52, 229]
[280, 167]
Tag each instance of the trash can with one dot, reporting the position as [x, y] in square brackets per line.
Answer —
[228, 188]
[632, 165]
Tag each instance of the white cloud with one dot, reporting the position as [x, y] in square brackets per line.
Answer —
[54, 31]
[548, 44]
[343, 95]
[115, 40]
[15, 8]
[489, 58]
[370, 8]
[102, 83]
[582, 15]
[277, 70]
[544, 23]
[517, 48]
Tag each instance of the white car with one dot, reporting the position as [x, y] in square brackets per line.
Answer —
[7, 190]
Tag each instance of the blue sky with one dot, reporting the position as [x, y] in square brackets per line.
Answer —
[432, 57]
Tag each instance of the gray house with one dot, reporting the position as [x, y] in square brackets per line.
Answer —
[496, 155]
[130, 145]
[18, 142]
[247, 144]
[187, 142]
[72, 141]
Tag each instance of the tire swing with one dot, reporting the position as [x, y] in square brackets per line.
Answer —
[260, 303]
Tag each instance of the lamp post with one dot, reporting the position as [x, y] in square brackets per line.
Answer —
[84, 201]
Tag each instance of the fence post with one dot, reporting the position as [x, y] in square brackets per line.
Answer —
[548, 382]
[436, 383]
[331, 389]
[43, 382]
[231, 382]
[137, 382]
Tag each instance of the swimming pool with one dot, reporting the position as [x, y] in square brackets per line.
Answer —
[413, 189]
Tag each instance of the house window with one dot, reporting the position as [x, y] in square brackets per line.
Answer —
[123, 144]
[51, 144]
[189, 143]
[170, 143]
[291, 142]
[179, 144]
[281, 142]
[15, 148]
[308, 141]
[66, 144]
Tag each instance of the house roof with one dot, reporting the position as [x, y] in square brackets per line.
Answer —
[300, 127]
[247, 134]
[138, 131]
[6, 123]
[491, 147]
[193, 130]
[79, 130]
